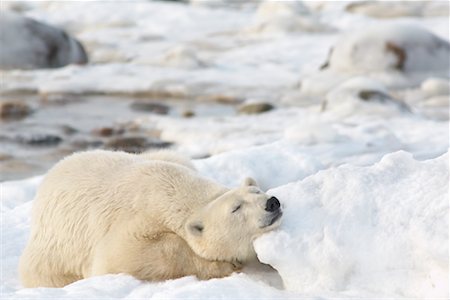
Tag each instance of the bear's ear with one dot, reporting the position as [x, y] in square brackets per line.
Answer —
[249, 182]
[195, 228]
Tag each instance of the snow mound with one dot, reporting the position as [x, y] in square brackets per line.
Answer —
[365, 231]
[182, 57]
[399, 46]
[361, 95]
[278, 17]
[435, 87]
[373, 231]
[231, 168]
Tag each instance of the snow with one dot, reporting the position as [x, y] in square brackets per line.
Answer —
[346, 231]
[367, 231]
[357, 152]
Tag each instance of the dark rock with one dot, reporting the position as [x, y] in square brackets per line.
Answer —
[84, 144]
[326, 64]
[69, 130]
[29, 44]
[135, 144]
[188, 113]
[14, 110]
[156, 108]
[107, 131]
[368, 95]
[255, 108]
[380, 97]
[5, 156]
[399, 52]
[43, 140]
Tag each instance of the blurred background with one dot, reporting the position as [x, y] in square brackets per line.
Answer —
[338, 80]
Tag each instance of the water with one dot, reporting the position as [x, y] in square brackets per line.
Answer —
[61, 125]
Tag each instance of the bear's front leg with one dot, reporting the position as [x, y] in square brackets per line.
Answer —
[156, 257]
[207, 269]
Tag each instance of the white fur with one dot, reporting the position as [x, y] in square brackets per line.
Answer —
[105, 212]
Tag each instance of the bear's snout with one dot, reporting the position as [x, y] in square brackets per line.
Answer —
[272, 204]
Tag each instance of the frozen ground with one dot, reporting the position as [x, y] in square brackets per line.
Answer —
[363, 178]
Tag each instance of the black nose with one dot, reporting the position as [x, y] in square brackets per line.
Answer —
[272, 204]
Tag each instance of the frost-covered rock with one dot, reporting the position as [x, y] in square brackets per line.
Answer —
[373, 231]
[435, 87]
[388, 47]
[274, 17]
[182, 57]
[430, 99]
[361, 95]
[29, 44]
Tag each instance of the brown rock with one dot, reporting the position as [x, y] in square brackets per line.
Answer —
[43, 140]
[14, 110]
[399, 52]
[255, 108]
[188, 113]
[156, 108]
[107, 131]
[135, 144]
[83, 144]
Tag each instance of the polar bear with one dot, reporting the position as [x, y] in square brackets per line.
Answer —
[149, 215]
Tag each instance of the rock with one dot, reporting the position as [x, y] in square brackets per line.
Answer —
[255, 108]
[107, 131]
[153, 107]
[221, 98]
[188, 113]
[44, 140]
[435, 87]
[362, 95]
[14, 110]
[5, 156]
[29, 44]
[84, 144]
[280, 17]
[69, 130]
[182, 57]
[135, 144]
[389, 47]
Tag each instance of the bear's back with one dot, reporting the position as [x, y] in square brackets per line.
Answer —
[90, 193]
[72, 209]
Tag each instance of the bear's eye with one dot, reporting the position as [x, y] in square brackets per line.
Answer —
[236, 208]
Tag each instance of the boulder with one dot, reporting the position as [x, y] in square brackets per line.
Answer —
[29, 44]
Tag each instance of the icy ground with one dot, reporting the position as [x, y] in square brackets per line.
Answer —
[364, 184]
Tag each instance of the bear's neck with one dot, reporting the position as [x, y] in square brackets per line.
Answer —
[175, 196]
[191, 199]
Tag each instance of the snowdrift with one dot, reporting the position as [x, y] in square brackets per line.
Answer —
[354, 231]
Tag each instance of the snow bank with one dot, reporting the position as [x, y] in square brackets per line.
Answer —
[365, 231]
[270, 165]
[376, 231]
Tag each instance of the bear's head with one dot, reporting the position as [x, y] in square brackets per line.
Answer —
[226, 227]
